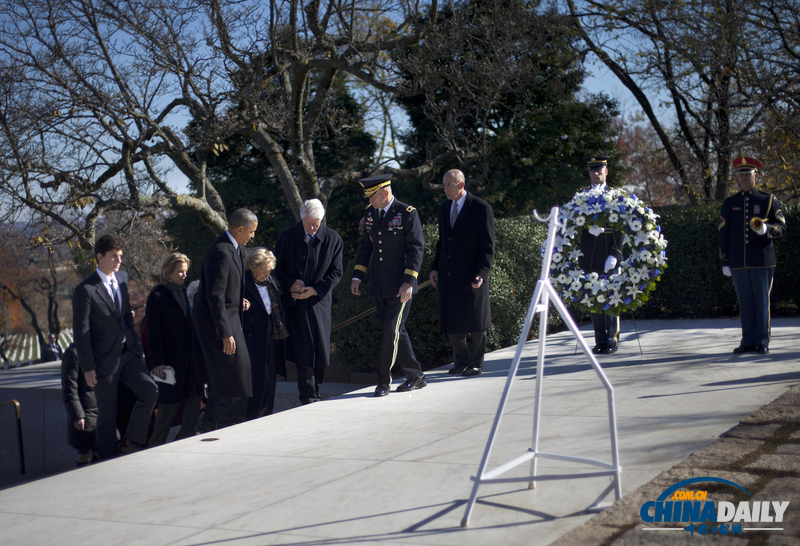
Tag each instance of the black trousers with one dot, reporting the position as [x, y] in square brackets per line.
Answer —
[133, 373]
[395, 343]
[465, 355]
[606, 329]
[222, 411]
[309, 382]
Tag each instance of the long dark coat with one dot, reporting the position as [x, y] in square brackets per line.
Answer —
[267, 355]
[169, 340]
[464, 252]
[217, 314]
[79, 401]
[309, 320]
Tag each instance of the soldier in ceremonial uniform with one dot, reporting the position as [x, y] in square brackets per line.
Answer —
[392, 246]
[601, 253]
[749, 221]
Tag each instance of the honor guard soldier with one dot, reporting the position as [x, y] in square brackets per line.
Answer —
[601, 253]
[392, 247]
[749, 221]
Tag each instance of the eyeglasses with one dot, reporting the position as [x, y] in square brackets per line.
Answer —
[446, 185]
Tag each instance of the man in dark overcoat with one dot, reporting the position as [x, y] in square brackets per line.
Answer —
[601, 253]
[749, 221]
[309, 267]
[110, 351]
[460, 270]
[217, 320]
[392, 247]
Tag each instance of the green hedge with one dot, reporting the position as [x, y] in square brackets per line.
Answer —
[514, 274]
[692, 286]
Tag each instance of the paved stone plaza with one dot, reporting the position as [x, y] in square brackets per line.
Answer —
[360, 470]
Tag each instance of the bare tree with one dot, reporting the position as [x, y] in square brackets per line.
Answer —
[100, 101]
[698, 54]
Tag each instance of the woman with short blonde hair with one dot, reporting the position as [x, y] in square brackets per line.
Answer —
[264, 330]
[171, 263]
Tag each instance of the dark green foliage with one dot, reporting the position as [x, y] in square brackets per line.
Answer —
[693, 286]
[512, 280]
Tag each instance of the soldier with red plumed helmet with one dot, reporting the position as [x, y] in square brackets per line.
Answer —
[749, 221]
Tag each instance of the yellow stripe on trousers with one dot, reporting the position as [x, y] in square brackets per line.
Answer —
[396, 338]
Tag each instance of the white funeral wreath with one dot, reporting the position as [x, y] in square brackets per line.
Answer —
[639, 270]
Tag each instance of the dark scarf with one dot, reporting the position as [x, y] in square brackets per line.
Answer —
[278, 327]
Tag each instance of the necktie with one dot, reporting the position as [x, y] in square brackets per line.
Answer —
[116, 296]
[380, 217]
[454, 214]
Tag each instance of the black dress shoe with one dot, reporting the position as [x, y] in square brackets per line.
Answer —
[382, 390]
[128, 446]
[472, 370]
[608, 349]
[762, 349]
[457, 370]
[412, 384]
[598, 349]
[745, 349]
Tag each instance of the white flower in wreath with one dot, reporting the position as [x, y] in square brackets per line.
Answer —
[636, 225]
[576, 285]
[580, 220]
[575, 275]
[557, 257]
[562, 279]
[640, 239]
[616, 299]
[601, 298]
[613, 217]
[587, 300]
[575, 254]
[633, 290]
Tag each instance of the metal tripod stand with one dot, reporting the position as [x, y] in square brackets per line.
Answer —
[543, 295]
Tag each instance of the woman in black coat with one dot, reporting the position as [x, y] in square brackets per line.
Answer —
[264, 331]
[169, 344]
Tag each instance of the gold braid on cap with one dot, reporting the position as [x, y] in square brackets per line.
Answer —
[369, 192]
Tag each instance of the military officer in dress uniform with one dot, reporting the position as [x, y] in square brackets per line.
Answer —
[392, 246]
[749, 221]
[601, 253]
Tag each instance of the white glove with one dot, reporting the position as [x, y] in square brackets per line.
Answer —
[762, 230]
[726, 271]
[596, 230]
[611, 263]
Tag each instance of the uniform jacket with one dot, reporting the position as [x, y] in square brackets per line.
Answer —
[464, 252]
[99, 327]
[739, 246]
[309, 320]
[596, 250]
[217, 314]
[392, 249]
[169, 340]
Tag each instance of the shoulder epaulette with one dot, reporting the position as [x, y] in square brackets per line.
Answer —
[368, 206]
[410, 208]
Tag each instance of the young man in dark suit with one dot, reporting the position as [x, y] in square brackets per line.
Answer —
[110, 351]
[217, 319]
[460, 270]
[392, 247]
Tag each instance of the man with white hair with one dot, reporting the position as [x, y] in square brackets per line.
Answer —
[309, 266]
